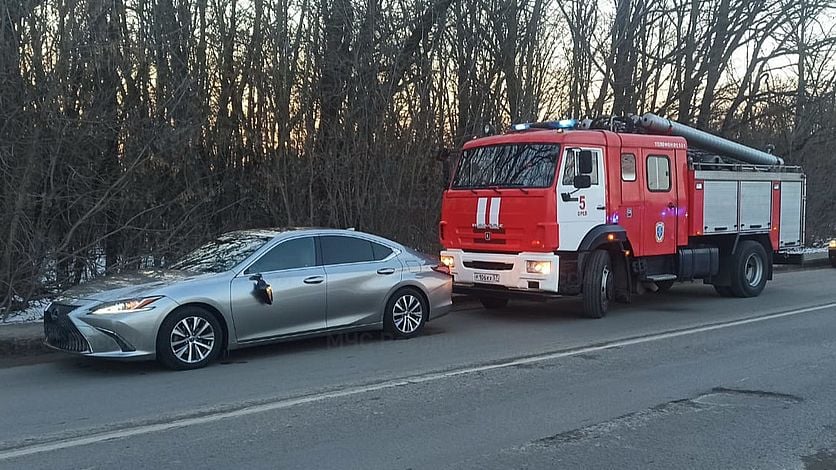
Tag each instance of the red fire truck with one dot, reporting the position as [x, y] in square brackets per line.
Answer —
[609, 208]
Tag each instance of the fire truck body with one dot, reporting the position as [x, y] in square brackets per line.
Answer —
[547, 212]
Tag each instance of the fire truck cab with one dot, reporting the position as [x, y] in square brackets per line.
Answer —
[553, 209]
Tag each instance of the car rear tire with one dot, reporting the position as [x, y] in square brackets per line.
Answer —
[189, 338]
[749, 269]
[598, 284]
[492, 303]
[406, 314]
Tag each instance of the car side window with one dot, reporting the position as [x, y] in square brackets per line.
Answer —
[380, 251]
[290, 254]
[339, 249]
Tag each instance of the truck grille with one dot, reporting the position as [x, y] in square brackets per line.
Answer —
[60, 331]
[489, 265]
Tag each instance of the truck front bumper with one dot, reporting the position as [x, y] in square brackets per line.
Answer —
[502, 274]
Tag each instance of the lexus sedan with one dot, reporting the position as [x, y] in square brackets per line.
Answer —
[252, 287]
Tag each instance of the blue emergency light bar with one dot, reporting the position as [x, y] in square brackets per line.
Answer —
[561, 124]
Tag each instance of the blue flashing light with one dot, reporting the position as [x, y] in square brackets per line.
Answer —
[561, 124]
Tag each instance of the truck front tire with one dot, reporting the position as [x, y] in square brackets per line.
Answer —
[598, 284]
[749, 269]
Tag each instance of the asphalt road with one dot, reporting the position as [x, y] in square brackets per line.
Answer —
[681, 380]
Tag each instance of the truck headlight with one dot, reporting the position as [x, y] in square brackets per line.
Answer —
[448, 261]
[538, 267]
[832, 244]
[125, 306]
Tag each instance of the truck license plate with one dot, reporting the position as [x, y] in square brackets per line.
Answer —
[486, 277]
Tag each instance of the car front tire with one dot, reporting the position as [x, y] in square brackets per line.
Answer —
[189, 338]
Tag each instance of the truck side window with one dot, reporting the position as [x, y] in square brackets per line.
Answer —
[658, 173]
[570, 168]
[628, 167]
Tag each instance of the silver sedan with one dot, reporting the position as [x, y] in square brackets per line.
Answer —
[252, 287]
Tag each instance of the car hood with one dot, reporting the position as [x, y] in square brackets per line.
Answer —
[129, 285]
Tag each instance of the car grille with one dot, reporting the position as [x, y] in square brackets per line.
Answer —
[59, 330]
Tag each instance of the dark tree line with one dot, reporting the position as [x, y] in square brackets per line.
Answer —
[132, 129]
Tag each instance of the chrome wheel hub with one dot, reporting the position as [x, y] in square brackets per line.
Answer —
[407, 314]
[605, 286]
[192, 339]
[754, 270]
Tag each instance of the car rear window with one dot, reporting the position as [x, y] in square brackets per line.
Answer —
[338, 249]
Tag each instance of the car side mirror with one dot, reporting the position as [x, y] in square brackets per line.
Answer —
[582, 181]
[262, 291]
[585, 162]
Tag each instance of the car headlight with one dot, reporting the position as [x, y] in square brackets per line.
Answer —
[126, 306]
[538, 267]
[832, 244]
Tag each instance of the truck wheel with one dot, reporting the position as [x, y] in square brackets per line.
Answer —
[748, 276]
[491, 303]
[598, 284]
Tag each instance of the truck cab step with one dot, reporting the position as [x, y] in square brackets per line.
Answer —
[661, 277]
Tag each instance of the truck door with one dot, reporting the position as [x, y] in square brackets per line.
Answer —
[659, 217]
[579, 210]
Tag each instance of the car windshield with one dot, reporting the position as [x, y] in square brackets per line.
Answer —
[508, 166]
[223, 253]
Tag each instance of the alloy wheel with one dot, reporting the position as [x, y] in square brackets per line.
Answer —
[407, 313]
[192, 339]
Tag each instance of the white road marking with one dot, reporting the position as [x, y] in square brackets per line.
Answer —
[357, 390]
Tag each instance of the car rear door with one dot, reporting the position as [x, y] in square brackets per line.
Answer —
[360, 274]
[299, 292]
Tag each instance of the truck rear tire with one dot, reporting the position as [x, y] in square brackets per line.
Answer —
[598, 284]
[749, 269]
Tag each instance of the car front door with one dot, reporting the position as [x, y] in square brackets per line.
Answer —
[298, 285]
[360, 274]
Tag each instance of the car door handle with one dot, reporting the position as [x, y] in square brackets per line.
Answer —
[386, 271]
[601, 207]
[314, 280]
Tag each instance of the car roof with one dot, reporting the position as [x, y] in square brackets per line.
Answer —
[275, 232]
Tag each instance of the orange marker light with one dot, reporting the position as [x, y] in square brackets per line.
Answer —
[611, 237]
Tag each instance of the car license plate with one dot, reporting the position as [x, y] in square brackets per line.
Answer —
[486, 277]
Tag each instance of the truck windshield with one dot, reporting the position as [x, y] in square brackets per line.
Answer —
[507, 166]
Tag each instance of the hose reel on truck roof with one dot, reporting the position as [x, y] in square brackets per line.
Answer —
[650, 123]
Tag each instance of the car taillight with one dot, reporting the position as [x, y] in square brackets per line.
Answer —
[441, 269]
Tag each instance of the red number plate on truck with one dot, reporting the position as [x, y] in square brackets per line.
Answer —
[486, 277]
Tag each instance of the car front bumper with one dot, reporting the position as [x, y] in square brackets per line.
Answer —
[128, 336]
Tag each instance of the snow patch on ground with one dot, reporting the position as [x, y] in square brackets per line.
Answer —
[33, 313]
